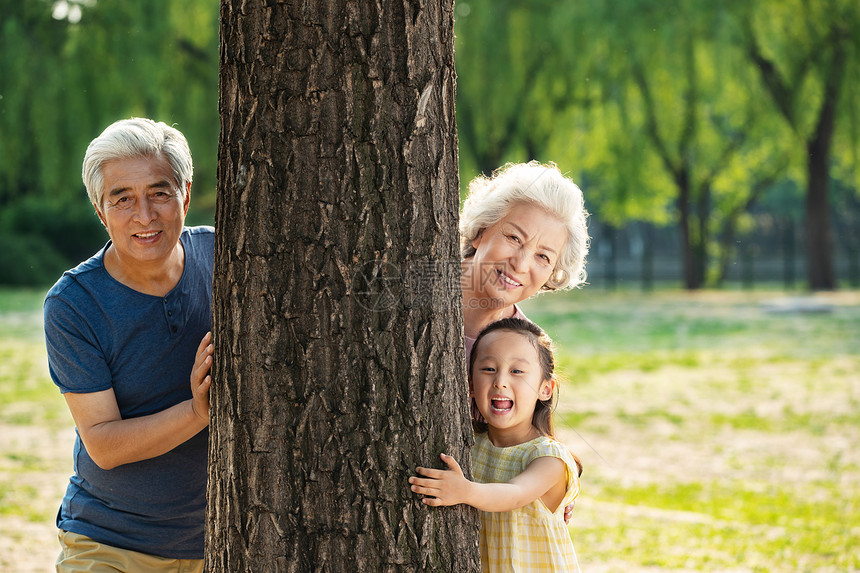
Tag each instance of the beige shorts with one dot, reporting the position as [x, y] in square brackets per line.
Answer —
[80, 553]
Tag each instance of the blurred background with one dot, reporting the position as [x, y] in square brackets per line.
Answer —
[711, 367]
[717, 142]
[68, 69]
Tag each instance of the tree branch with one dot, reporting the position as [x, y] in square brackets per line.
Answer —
[782, 94]
[652, 128]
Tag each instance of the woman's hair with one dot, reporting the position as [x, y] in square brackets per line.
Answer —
[133, 138]
[490, 200]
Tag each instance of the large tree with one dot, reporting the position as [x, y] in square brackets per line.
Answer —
[337, 315]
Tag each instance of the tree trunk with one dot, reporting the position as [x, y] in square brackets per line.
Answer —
[703, 238]
[819, 238]
[337, 310]
[682, 180]
[819, 235]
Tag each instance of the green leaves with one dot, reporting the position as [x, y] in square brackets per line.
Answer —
[680, 111]
[62, 81]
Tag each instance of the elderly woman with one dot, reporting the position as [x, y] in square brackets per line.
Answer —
[522, 231]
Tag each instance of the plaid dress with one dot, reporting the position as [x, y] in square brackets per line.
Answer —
[530, 538]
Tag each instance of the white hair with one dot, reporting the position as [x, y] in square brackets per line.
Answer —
[491, 199]
[132, 138]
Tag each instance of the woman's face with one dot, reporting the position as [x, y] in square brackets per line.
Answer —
[515, 257]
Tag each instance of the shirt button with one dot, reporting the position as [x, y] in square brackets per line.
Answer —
[174, 329]
[169, 313]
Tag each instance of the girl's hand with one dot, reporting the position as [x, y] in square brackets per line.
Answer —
[442, 487]
[200, 379]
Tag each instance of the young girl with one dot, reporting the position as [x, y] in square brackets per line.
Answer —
[523, 477]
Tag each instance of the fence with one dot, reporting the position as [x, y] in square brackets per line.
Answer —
[773, 252]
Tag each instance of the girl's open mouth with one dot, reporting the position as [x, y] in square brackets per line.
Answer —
[502, 405]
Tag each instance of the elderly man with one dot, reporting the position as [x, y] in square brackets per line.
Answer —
[125, 330]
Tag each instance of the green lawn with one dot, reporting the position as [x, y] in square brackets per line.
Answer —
[35, 452]
[716, 436]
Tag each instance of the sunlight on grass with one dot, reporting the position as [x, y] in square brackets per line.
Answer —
[26, 391]
[715, 436]
[732, 522]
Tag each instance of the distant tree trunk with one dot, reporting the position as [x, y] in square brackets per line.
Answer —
[819, 235]
[703, 234]
[786, 96]
[788, 254]
[647, 257]
[692, 280]
[337, 312]
[610, 273]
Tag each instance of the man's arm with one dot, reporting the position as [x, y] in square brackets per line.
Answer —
[450, 487]
[112, 441]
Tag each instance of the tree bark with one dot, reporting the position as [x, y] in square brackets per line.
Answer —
[337, 310]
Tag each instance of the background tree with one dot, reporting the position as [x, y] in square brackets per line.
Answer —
[70, 68]
[674, 131]
[513, 80]
[339, 354]
[496, 70]
[808, 56]
[538, 79]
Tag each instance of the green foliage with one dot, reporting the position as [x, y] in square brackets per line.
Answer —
[41, 238]
[28, 260]
[62, 81]
[69, 224]
[501, 55]
[649, 105]
[713, 432]
[657, 108]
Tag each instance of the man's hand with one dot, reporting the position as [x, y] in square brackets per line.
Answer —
[200, 378]
[112, 441]
[442, 487]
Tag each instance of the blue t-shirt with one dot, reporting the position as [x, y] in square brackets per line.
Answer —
[101, 334]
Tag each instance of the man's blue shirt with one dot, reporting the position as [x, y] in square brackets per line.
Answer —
[102, 335]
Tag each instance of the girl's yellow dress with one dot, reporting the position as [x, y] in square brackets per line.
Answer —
[531, 538]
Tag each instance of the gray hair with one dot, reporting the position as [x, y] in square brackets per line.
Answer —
[132, 138]
[491, 198]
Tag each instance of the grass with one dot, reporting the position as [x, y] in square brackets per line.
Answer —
[762, 526]
[26, 392]
[716, 436]
[35, 456]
